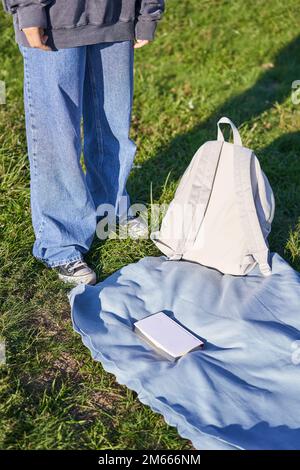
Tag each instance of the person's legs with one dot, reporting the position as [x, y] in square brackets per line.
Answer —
[63, 212]
[108, 150]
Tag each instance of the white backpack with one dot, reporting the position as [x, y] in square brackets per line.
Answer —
[222, 211]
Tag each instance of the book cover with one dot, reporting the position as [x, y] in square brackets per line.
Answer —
[166, 336]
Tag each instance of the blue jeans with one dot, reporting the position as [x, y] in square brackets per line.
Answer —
[94, 83]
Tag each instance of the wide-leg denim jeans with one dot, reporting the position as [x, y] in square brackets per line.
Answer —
[61, 87]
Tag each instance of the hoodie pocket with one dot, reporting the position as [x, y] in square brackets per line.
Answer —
[67, 14]
[109, 12]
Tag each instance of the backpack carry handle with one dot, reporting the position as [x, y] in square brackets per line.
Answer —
[236, 135]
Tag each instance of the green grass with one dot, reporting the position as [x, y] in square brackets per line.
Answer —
[210, 58]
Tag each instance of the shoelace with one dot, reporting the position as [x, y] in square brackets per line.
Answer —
[78, 264]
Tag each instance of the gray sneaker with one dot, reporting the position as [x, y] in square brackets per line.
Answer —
[76, 272]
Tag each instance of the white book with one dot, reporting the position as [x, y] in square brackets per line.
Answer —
[166, 336]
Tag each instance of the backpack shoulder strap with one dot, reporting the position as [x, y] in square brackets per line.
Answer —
[257, 245]
[200, 194]
[243, 159]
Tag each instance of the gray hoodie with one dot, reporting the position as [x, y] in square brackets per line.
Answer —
[70, 23]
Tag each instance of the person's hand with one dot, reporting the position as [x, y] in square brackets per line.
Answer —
[36, 38]
[141, 43]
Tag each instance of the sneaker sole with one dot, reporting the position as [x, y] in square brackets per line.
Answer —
[87, 280]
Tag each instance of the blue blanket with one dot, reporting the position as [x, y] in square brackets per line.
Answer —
[243, 390]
